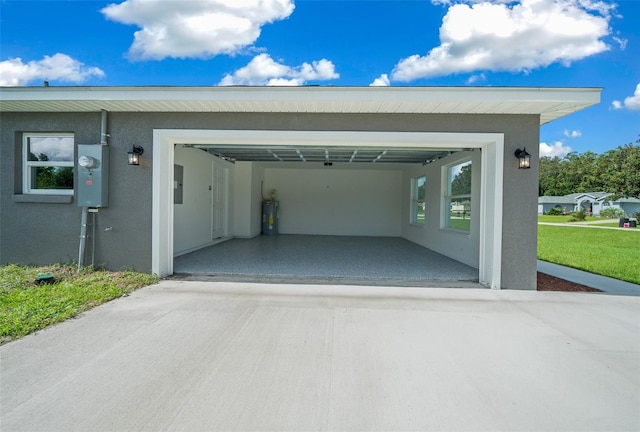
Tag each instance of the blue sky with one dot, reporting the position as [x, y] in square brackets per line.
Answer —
[547, 43]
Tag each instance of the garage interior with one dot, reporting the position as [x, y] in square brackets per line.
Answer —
[344, 215]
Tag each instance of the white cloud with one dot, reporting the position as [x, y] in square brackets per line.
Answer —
[556, 149]
[56, 148]
[195, 29]
[263, 70]
[630, 103]
[59, 67]
[572, 134]
[475, 78]
[503, 35]
[381, 81]
[621, 42]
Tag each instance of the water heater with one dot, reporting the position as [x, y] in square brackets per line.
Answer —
[270, 217]
[93, 175]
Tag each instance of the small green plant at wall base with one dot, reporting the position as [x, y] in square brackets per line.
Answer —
[29, 303]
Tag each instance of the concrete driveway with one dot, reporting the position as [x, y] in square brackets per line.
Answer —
[221, 356]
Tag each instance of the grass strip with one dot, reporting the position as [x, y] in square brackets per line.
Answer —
[460, 224]
[565, 219]
[612, 253]
[26, 307]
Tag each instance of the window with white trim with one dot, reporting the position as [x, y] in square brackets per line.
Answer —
[417, 200]
[47, 163]
[457, 200]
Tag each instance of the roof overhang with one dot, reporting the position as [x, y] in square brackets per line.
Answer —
[547, 102]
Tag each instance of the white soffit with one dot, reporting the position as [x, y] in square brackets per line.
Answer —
[549, 103]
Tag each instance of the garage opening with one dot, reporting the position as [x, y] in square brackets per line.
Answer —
[346, 205]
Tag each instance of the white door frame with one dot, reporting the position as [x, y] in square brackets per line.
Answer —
[491, 194]
[217, 171]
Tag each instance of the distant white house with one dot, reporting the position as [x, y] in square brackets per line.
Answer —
[590, 202]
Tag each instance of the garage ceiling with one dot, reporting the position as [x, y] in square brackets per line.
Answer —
[325, 154]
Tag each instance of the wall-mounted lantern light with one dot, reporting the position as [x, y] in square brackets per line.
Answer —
[524, 158]
[134, 155]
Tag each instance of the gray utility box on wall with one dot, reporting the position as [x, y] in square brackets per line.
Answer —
[93, 175]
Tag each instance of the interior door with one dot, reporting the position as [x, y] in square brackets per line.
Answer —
[218, 201]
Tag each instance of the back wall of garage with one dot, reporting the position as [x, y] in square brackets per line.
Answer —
[333, 201]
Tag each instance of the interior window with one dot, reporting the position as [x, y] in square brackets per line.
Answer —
[48, 163]
[458, 197]
[417, 200]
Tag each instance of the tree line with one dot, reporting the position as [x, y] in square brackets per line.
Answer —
[616, 171]
[49, 177]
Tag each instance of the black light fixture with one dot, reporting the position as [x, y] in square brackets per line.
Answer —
[524, 158]
[134, 155]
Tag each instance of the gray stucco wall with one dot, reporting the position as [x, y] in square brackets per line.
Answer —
[43, 233]
[38, 233]
[520, 202]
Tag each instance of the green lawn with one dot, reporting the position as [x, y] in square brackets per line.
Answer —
[564, 219]
[460, 224]
[611, 225]
[26, 307]
[613, 253]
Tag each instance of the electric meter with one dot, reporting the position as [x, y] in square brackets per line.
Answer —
[86, 162]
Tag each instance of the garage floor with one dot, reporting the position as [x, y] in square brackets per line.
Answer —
[350, 259]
